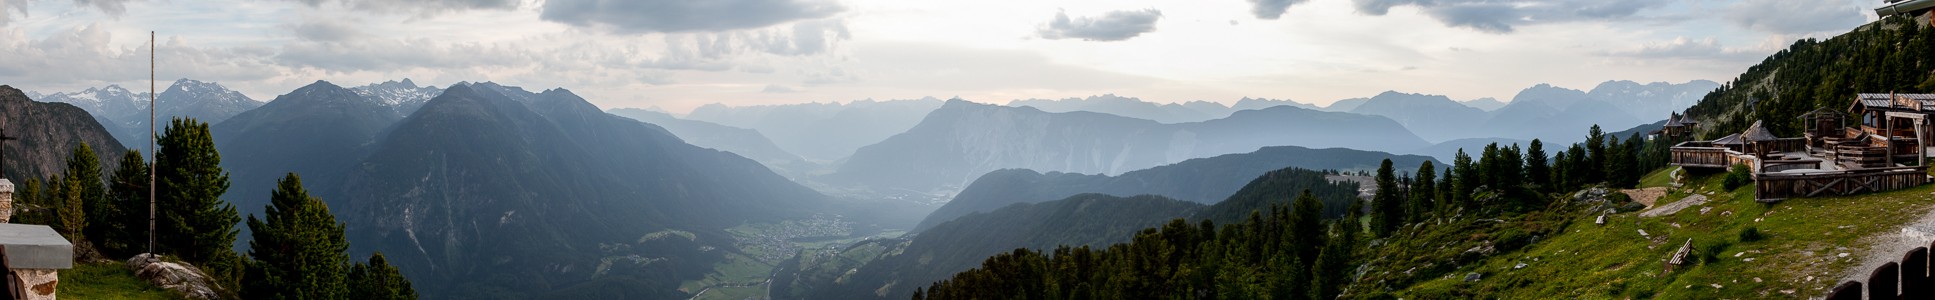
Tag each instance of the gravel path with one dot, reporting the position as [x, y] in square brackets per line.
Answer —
[1646, 195]
[1889, 247]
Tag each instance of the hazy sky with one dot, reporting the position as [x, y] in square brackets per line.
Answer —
[681, 54]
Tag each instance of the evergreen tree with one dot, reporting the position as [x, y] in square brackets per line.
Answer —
[1445, 184]
[1307, 227]
[1387, 206]
[30, 196]
[1537, 171]
[73, 220]
[1488, 168]
[128, 194]
[1580, 166]
[1595, 154]
[1635, 168]
[1618, 164]
[1422, 192]
[1561, 172]
[84, 169]
[377, 280]
[194, 223]
[1468, 179]
[1511, 168]
[298, 251]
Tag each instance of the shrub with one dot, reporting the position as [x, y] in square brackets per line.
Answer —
[1709, 252]
[1751, 234]
[1740, 176]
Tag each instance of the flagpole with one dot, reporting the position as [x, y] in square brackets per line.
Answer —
[151, 142]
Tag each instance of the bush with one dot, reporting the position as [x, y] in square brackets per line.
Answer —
[1709, 252]
[1751, 234]
[1740, 176]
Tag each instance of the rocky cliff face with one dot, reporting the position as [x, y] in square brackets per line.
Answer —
[47, 133]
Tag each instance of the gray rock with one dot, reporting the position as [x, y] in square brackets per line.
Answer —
[1472, 277]
[179, 276]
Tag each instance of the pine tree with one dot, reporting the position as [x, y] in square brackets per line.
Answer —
[1468, 177]
[1307, 227]
[1595, 154]
[30, 195]
[128, 193]
[1537, 171]
[1560, 172]
[1387, 206]
[298, 251]
[1579, 167]
[84, 172]
[1422, 192]
[73, 220]
[195, 224]
[377, 280]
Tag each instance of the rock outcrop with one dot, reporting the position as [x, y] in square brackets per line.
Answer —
[179, 276]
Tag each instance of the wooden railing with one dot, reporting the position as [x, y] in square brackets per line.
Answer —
[1771, 187]
[1787, 145]
[1709, 157]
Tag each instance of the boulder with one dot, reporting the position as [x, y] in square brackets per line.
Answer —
[179, 276]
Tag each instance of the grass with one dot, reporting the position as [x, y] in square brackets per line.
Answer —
[1658, 178]
[107, 281]
[1799, 255]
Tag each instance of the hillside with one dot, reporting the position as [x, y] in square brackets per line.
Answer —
[47, 133]
[1093, 220]
[1880, 57]
[493, 191]
[1202, 180]
[318, 131]
[1432, 117]
[963, 140]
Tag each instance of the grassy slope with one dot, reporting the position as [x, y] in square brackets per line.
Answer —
[107, 281]
[1804, 238]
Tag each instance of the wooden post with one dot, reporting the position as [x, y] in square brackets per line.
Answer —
[1921, 146]
[1884, 282]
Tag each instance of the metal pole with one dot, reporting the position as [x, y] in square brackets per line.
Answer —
[151, 142]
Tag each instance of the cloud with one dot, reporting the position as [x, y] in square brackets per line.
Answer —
[397, 54]
[418, 7]
[1111, 26]
[1503, 16]
[1796, 16]
[86, 55]
[777, 89]
[1270, 9]
[114, 8]
[328, 30]
[648, 16]
[1682, 48]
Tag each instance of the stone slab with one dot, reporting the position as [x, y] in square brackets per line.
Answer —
[35, 247]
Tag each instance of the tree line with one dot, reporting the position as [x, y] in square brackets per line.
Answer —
[297, 251]
[1293, 252]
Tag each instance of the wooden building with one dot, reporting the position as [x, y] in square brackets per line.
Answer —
[1885, 148]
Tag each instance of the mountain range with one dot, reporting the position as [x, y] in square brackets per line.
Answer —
[822, 132]
[745, 142]
[962, 140]
[125, 113]
[46, 134]
[490, 191]
[1201, 180]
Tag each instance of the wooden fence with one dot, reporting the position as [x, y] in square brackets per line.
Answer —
[1771, 187]
[1909, 279]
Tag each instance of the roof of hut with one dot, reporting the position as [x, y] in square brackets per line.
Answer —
[1756, 133]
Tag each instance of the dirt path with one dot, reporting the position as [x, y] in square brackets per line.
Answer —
[1646, 195]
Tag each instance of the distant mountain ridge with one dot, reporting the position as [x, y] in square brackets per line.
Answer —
[125, 113]
[823, 132]
[742, 141]
[962, 140]
[1200, 180]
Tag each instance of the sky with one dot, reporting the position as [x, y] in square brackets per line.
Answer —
[678, 55]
